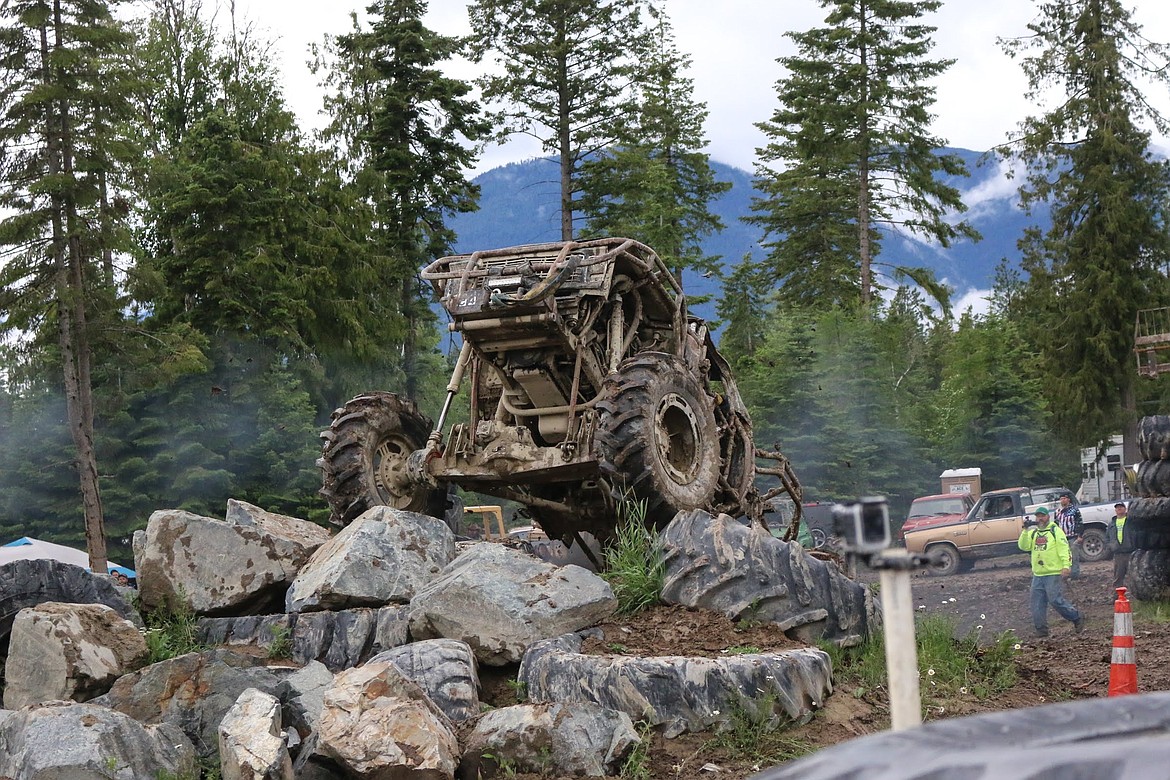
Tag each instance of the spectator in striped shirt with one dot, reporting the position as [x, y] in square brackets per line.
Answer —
[1068, 517]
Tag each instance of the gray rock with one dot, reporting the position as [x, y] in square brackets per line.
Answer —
[745, 573]
[67, 740]
[499, 601]
[251, 742]
[554, 740]
[337, 639]
[445, 669]
[382, 557]
[303, 693]
[213, 566]
[192, 691]
[293, 537]
[377, 723]
[28, 583]
[680, 693]
[68, 652]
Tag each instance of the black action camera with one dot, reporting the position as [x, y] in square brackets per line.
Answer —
[864, 525]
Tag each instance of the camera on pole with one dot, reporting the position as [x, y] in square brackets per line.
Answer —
[863, 525]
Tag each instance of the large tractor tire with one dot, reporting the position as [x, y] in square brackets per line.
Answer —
[1153, 436]
[656, 439]
[1121, 738]
[1149, 575]
[363, 461]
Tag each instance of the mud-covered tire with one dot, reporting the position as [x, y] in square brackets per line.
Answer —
[363, 458]
[1148, 577]
[1121, 737]
[946, 560]
[1153, 478]
[1094, 546]
[28, 583]
[656, 439]
[1153, 437]
[1148, 523]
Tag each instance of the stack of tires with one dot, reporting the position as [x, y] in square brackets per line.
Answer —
[1148, 523]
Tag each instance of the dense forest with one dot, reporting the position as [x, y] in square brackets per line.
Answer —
[190, 282]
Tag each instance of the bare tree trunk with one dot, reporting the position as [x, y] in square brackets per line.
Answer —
[71, 315]
[1129, 446]
[564, 140]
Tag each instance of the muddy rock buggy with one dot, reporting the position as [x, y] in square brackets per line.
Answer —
[586, 383]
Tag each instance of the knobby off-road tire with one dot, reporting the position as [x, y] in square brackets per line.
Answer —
[1121, 738]
[656, 439]
[1148, 577]
[363, 460]
[1153, 478]
[1153, 435]
[947, 560]
[1148, 523]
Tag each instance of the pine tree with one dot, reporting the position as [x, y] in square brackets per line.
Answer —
[850, 154]
[412, 132]
[655, 183]
[1090, 162]
[568, 73]
[64, 99]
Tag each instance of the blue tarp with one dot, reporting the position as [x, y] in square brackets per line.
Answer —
[27, 548]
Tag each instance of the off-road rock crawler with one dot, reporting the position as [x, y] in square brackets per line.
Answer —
[588, 383]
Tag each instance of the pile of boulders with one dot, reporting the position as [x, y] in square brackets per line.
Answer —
[358, 654]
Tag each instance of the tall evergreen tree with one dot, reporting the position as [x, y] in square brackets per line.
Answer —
[850, 152]
[413, 131]
[655, 183]
[568, 70]
[1090, 162]
[64, 96]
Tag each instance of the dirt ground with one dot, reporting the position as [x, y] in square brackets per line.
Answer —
[989, 600]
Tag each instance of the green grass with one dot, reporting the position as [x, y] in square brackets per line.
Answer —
[281, 644]
[636, 765]
[171, 632]
[1151, 611]
[948, 667]
[751, 735]
[634, 566]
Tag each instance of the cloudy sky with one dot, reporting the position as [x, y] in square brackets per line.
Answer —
[734, 45]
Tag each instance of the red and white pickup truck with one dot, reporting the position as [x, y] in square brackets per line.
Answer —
[939, 509]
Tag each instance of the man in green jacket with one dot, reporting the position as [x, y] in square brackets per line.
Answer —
[1051, 560]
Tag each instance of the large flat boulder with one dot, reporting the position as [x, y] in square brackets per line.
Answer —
[67, 740]
[383, 557]
[217, 567]
[499, 601]
[68, 652]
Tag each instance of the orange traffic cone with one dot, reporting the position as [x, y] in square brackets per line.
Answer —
[1123, 670]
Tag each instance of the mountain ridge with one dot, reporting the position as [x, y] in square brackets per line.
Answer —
[519, 204]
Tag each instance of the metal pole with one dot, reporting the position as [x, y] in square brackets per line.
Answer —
[901, 650]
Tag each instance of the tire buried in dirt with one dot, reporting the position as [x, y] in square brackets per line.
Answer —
[1122, 737]
[363, 461]
[1153, 437]
[656, 439]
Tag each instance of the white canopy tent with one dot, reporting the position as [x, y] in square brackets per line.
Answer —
[26, 548]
